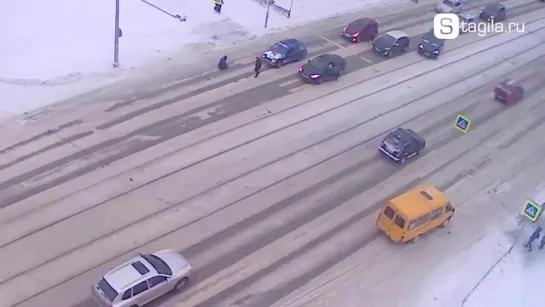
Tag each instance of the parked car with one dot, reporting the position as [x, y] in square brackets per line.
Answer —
[284, 52]
[391, 43]
[430, 45]
[467, 21]
[324, 67]
[142, 279]
[494, 11]
[402, 144]
[508, 92]
[449, 6]
[364, 29]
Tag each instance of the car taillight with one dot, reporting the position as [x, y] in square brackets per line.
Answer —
[314, 76]
[300, 69]
[356, 34]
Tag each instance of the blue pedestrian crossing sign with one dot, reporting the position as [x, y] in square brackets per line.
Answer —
[531, 210]
[462, 123]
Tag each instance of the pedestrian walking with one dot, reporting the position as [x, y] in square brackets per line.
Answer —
[542, 243]
[533, 237]
[217, 5]
[222, 65]
[257, 68]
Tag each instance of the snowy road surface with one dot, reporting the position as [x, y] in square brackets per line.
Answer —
[270, 187]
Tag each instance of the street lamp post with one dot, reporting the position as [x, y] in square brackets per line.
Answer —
[116, 32]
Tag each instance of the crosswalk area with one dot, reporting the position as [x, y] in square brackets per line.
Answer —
[269, 186]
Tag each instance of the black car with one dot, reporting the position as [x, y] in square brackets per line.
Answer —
[402, 144]
[391, 43]
[430, 45]
[324, 67]
[495, 11]
[283, 52]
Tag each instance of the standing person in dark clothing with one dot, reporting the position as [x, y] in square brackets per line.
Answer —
[257, 68]
[533, 237]
[222, 65]
[217, 5]
[542, 243]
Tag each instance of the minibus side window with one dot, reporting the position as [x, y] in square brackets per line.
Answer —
[389, 212]
[419, 221]
[400, 221]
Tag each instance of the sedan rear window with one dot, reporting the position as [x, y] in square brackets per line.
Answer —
[107, 290]
[400, 221]
[158, 264]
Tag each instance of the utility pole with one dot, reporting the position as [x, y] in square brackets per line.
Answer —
[117, 34]
[269, 2]
[291, 7]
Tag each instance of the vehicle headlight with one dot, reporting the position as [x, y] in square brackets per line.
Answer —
[421, 46]
[436, 52]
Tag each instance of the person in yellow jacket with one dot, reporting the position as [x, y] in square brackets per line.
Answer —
[217, 5]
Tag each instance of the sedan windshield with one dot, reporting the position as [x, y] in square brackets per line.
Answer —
[279, 48]
[158, 264]
[431, 39]
[387, 40]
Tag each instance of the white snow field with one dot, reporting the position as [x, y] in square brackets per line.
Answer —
[53, 50]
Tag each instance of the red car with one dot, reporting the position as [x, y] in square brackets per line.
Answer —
[364, 29]
[508, 92]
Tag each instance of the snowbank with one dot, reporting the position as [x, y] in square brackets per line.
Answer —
[516, 281]
[55, 49]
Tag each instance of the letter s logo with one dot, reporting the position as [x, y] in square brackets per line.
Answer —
[446, 26]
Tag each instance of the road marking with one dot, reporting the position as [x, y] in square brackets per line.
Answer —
[299, 88]
[242, 80]
[245, 61]
[366, 60]
[289, 82]
[330, 41]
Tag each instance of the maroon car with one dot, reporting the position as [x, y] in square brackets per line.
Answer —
[508, 92]
[364, 29]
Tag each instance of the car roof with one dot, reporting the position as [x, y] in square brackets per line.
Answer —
[329, 56]
[494, 6]
[467, 15]
[126, 275]
[291, 42]
[365, 21]
[418, 202]
[397, 33]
